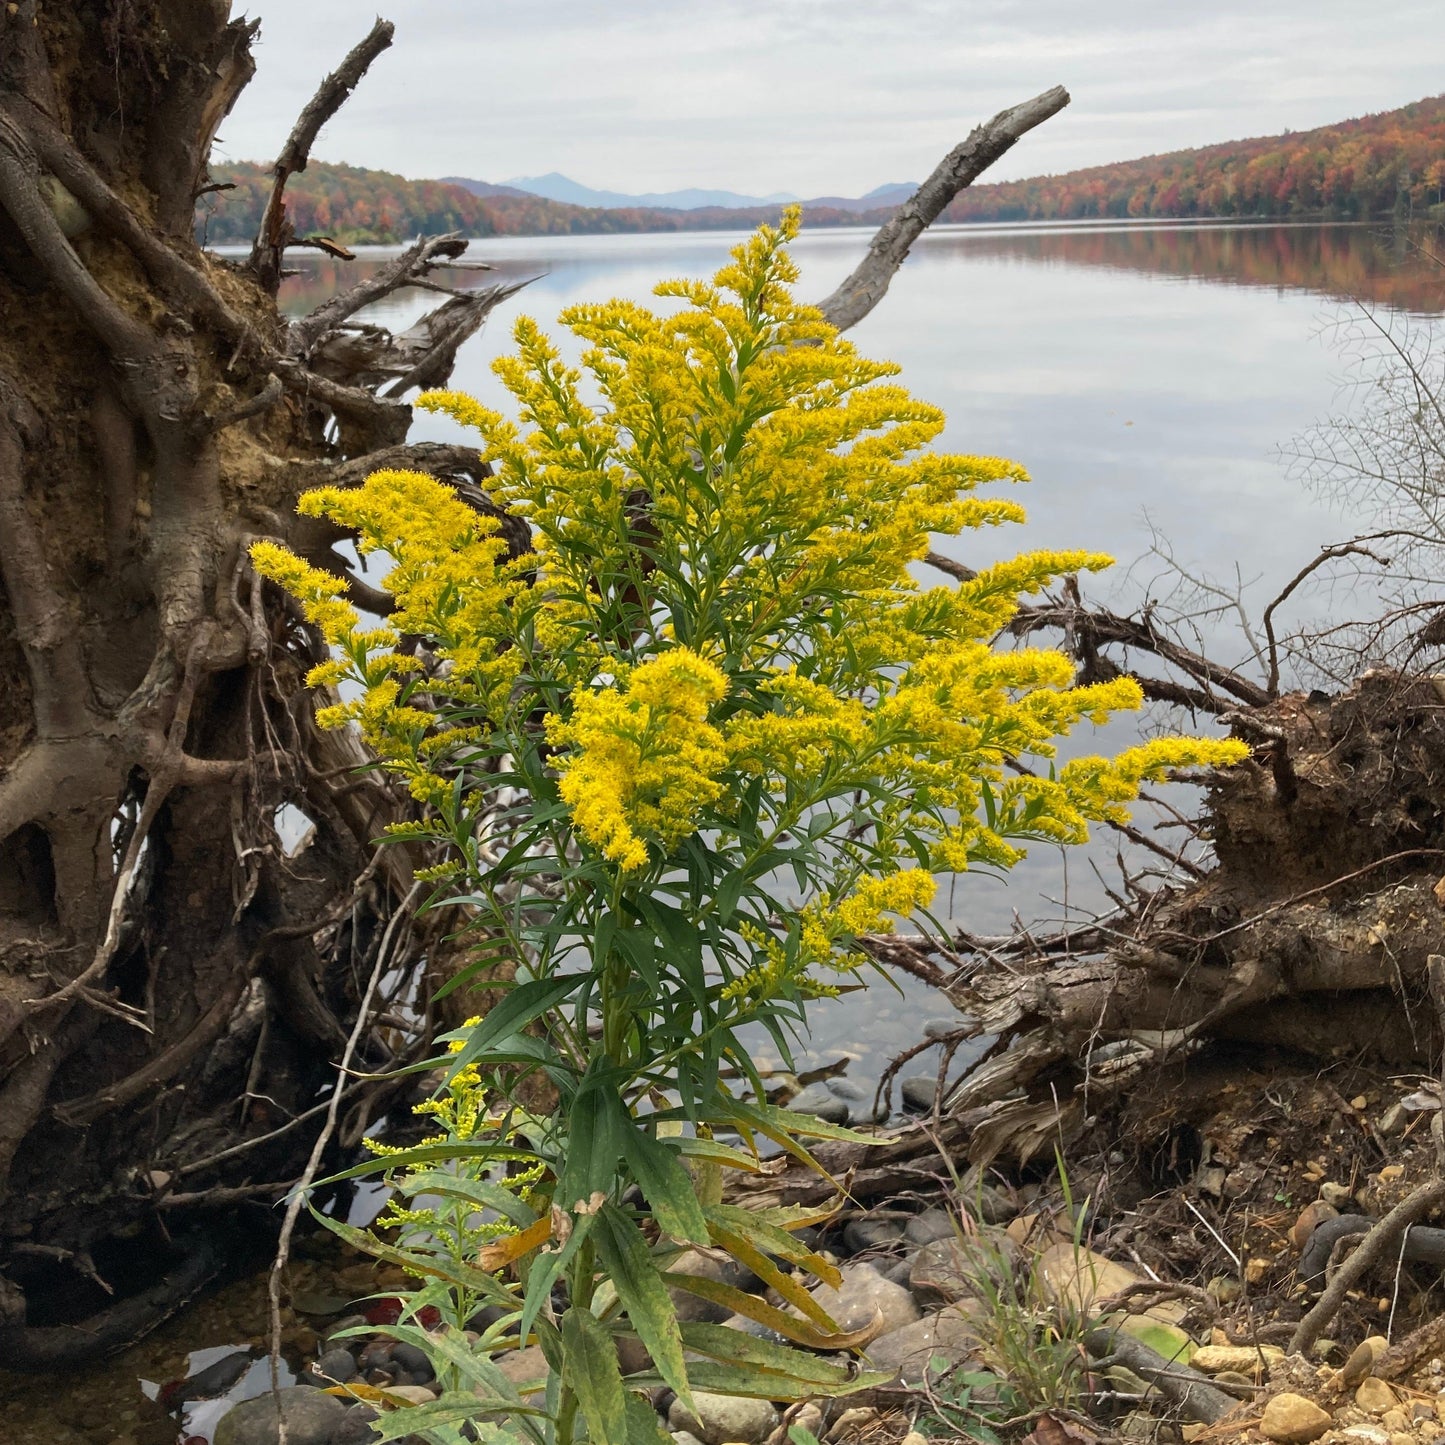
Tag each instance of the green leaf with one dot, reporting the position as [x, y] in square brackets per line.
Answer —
[454, 1408]
[589, 1369]
[643, 1425]
[634, 1274]
[666, 1184]
[522, 1004]
[596, 1121]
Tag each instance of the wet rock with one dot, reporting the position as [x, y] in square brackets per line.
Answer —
[413, 1359]
[335, 1367]
[723, 1419]
[356, 1429]
[951, 1269]
[1293, 1420]
[216, 1378]
[865, 1293]
[931, 1225]
[950, 1334]
[919, 1092]
[1375, 1396]
[311, 1418]
[847, 1089]
[867, 1233]
[752, 1327]
[940, 1027]
[817, 1101]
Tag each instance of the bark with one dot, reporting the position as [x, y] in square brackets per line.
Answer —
[175, 984]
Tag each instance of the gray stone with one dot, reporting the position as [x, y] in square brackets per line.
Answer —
[723, 1419]
[987, 1204]
[865, 1293]
[311, 1418]
[817, 1101]
[413, 1359]
[869, 1233]
[932, 1224]
[951, 1269]
[900, 1270]
[335, 1367]
[685, 1437]
[356, 1429]
[919, 1092]
[755, 1328]
[937, 1027]
[909, 1353]
[847, 1089]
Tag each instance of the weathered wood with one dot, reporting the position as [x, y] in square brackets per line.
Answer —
[963, 165]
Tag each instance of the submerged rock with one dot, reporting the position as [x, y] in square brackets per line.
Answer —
[311, 1418]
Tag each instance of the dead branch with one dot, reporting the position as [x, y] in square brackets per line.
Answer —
[275, 232]
[968, 160]
[1194, 1395]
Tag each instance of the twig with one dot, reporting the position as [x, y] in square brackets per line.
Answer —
[1327, 554]
[1378, 1242]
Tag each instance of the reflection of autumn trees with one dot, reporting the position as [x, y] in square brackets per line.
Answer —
[1393, 162]
[1363, 263]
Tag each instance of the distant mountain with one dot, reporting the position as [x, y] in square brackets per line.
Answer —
[483, 188]
[556, 187]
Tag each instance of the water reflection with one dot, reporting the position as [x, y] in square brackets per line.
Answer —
[1376, 263]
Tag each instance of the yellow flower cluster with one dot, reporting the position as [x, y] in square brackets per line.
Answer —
[644, 760]
[718, 632]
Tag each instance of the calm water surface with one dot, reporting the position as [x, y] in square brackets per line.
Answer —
[1146, 375]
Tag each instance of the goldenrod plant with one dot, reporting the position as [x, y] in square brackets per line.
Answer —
[681, 759]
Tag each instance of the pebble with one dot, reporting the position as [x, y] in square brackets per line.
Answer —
[722, 1419]
[685, 1437]
[337, 1366]
[1293, 1420]
[216, 1378]
[931, 1225]
[691, 1308]
[1242, 1359]
[1375, 1396]
[951, 1269]
[950, 1334]
[1336, 1194]
[819, 1102]
[938, 1027]
[919, 1092]
[847, 1089]
[356, 1429]
[865, 1293]
[413, 1359]
[1311, 1217]
[867, 1233]
[1356, 1368]
[310, 1417]
[852, 1422]
[412, 1394]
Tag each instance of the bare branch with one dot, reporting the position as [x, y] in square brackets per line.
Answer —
[865, 288]
[418, 259]
[275, 232]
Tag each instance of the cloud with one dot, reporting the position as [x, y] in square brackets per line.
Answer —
[819, 96]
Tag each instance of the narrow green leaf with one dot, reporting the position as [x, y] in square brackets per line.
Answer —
[589, 1369]
[737, 1347]
[666, 1184]
[634, 1274]
[523, 1004]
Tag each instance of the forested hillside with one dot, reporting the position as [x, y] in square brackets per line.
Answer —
[356, 206]
[1393, 162]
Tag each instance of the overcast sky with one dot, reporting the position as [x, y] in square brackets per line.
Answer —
[819, 97]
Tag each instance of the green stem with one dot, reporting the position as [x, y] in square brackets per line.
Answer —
[580, 1286]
